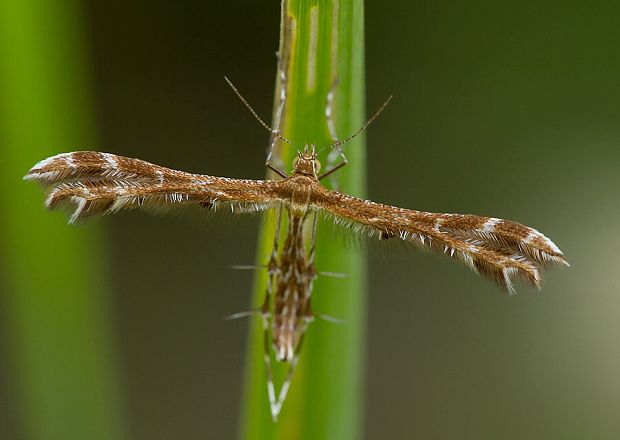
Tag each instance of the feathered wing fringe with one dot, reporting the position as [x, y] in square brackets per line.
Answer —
[500, 250]
[103, 183]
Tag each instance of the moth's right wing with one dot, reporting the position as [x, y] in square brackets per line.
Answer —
[501, 250]
[102, 183]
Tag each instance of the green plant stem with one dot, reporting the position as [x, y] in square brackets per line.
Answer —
[321, 42]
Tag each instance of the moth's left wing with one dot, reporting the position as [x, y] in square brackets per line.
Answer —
[102, 183]
[497, 249]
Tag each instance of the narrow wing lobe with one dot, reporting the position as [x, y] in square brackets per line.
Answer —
[498, 249]
[103, 183]
[99, 166]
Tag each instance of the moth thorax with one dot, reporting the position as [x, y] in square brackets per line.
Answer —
[300, 196]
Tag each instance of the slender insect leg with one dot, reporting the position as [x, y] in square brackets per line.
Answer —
[275, 131]
[272, 268]
[313, 240]
[311, 268]
[330, 123]
[273, 404]
[337, 151]
[273, 264]
[349, 138]
[313, 273]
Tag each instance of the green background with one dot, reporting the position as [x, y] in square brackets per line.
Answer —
[507, 109]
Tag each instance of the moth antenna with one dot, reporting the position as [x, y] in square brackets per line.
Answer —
[258, 118]
[362, 128]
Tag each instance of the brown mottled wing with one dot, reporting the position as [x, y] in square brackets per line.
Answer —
[498, 249]
[102, 183]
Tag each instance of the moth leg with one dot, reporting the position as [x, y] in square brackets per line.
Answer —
[272, 265]
[313, 240]
[337, 151]
[273, 404]
[275, 131]
[311, 272]
[272, 269]
[336, 145]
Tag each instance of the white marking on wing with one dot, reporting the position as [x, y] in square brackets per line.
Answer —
[110, 160]
[489, 225]
[49, 160]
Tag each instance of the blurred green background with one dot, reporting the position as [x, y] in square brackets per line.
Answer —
[508, 109]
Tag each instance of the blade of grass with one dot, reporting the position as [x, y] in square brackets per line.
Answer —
[54, 301]
[321, 41]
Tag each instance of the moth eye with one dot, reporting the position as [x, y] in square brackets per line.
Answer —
[317, 166]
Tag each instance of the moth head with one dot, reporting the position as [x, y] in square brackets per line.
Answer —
[306, 162]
